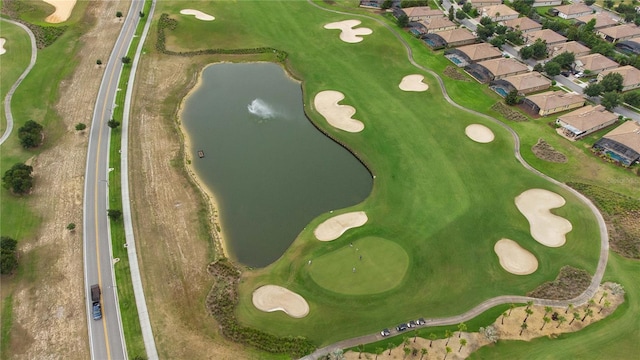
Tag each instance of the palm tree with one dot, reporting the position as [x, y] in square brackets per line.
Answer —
[461, 327]
[504, 314]
[407, 351]
[576, 316]
[389, 347]
[569, 307]
[423, 352]
[463, 342]
[511, 307]
[529, 303]
[605, 305]
[415, 335]
[587, 312]
[447, 334]
[545, 320]
[405, 342]
[547, 309]
[604, 295]
[591, 302]
[447, 350]
[432, 337]
[529, 312]
[523, 327]
[379, 351]
[561, 320]
[360, 349]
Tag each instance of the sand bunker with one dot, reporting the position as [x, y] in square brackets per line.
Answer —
[514, 258]
[349, 34]
[479, 133]
[339, 116]
[63, 10]
[198, 14]
[413, 83]
[2, 49]
[334, 227]
[271, 298]
[548, 229]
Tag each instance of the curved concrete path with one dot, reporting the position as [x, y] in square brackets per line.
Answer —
[7, 98]
[505, 299]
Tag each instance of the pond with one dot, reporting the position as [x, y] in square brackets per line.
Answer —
[269, 168]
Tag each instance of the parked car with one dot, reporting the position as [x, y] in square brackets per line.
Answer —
[421, 321]
[402, 327]
[412, 324]
[385, 332]
[565, 73]
[592, 80]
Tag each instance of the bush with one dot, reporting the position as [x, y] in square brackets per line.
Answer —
[8, 256]
[80, 126]
[114, 214]
[30, 134]
[18, 179]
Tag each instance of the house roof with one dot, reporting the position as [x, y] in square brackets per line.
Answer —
[570, 46]
[503, 66]
[523, 24]
[573, 9]
[630, 75]
[422, 11]
[621, 31]
[588, 117]
[554, 99]
[596, 62]
[480, 51]
[548, 35]
[527, 81]
[602, 20]
[437, 23]
[501, 9]
[456, 35]
[627, 134]
[485, 2]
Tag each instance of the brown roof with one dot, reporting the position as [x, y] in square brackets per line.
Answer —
[523, 24]
[627, 134]
[588, 117]
[456, 35]
[602, 20]
[438, 23]
[480, 51]
[596, 62]
[555, 99]
[574, 9]
[503, 66]
[621, 31]
[527, 81]
[422, 11]
[547, 35]
[496, 2]
[570, 46]
[630, 75]
[502, 9]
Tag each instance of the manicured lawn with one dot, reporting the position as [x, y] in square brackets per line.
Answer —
[14, 61]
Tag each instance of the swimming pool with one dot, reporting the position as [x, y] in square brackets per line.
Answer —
[429, 42]
[502, 92]
[455, 60]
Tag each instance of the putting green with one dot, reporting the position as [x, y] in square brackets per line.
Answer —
[379, 264]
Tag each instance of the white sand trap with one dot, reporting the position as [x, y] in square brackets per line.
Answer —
[413, 83]
[63, 10]
[339, 116]
[198, 14]
[514, 258]
[271, 298]
[548, 229]
[479, 133]
[2, 49]
[349, 34]
[334, 227]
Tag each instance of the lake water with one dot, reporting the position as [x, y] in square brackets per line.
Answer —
[270, 169]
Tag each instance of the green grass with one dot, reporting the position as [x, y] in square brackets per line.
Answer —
[13, 62]
[5, 325]
[379, 266]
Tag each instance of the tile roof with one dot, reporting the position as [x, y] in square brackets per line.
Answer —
[627, 134]
[503, 66]
[501, 9]
[570, 46]
[573, 9]
[630, 75]
[621, 31]
[527, 81]
[422, 11]
[602, 20]
[456, 35]
[480, 51]
[547, 35]
[596, 62]
[438, 23]
[555, 99]
[588, 117]
[523, 23]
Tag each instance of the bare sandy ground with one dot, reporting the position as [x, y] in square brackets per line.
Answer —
[334, 227]
[2, 49]
[506, 329]
[349, 34]
[515, 259]
[548, 229]
[198, 14]
[63, 10]
[270, 298]
[479, 133]
[338, 116]
[413, 83]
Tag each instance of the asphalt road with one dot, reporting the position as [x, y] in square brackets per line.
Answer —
[106, 338]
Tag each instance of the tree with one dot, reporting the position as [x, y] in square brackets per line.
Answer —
[526, 52]
[378, 351]
[30, 134]
[8, 256]
[114, 214]
[590, 303]
[126, 60]
[504, 314]
[432, 337]
[632, 98]
[511, 99]
[612, 82]
[386, 4]
[98, 62]
[141, 14]
[416, 334]
[547, 310]
[561, 320]
[423, 352]
[447, 334]
[552, 68]
[604, 295]
[403, 21]
[539, 49]
[538, 67]
[405, 342]
[80, 126]
[569, 307]
[565, 59]
[71, 226]
[609, 3]
[113, 123]
[463, 342]
[497, 41]
[460, 14]
[576, 316]
[389, 347]
[360, 349]
[589, 2]
[18, 179]
[593, 90]
[604, 306]
[523, 327]
[529, 312]
[451, 14]
[511, 307]
[407, 351]
[610, 100]
[545, 321]
[447, 351]
[118, 14]
[587, 312]
[461, 327]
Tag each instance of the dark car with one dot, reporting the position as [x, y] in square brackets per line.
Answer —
[402, 327]
[97, 311]
[565, 73]
[385, 332]
[592, 80]
[421, 321]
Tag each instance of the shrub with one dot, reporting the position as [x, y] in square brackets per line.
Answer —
[8, 256]
[80, 126]
[18, 179]
[30, 134]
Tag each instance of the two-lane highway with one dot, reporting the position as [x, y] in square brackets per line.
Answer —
[105, 336]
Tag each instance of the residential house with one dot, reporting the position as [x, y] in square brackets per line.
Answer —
[552, 102]
[539, 3]
[603, 20]
[584, 121]
[497, 69]
[570, 46]
[476, 52]
[450, 38]
[523, 24]
[484, 3]
[622, 143]
[527, 83]
[630, 76]
[551, 37]
[498, 12]
[573, 11]
[434, 25]
[619, 33]
[595, 63]
[420, 13]
[377, 4]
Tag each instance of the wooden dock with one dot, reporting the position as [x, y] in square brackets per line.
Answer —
[200, 154]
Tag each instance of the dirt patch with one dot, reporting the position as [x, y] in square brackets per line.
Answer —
[542, 150]
[453, 73]
[508, 112]
[570, 283]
